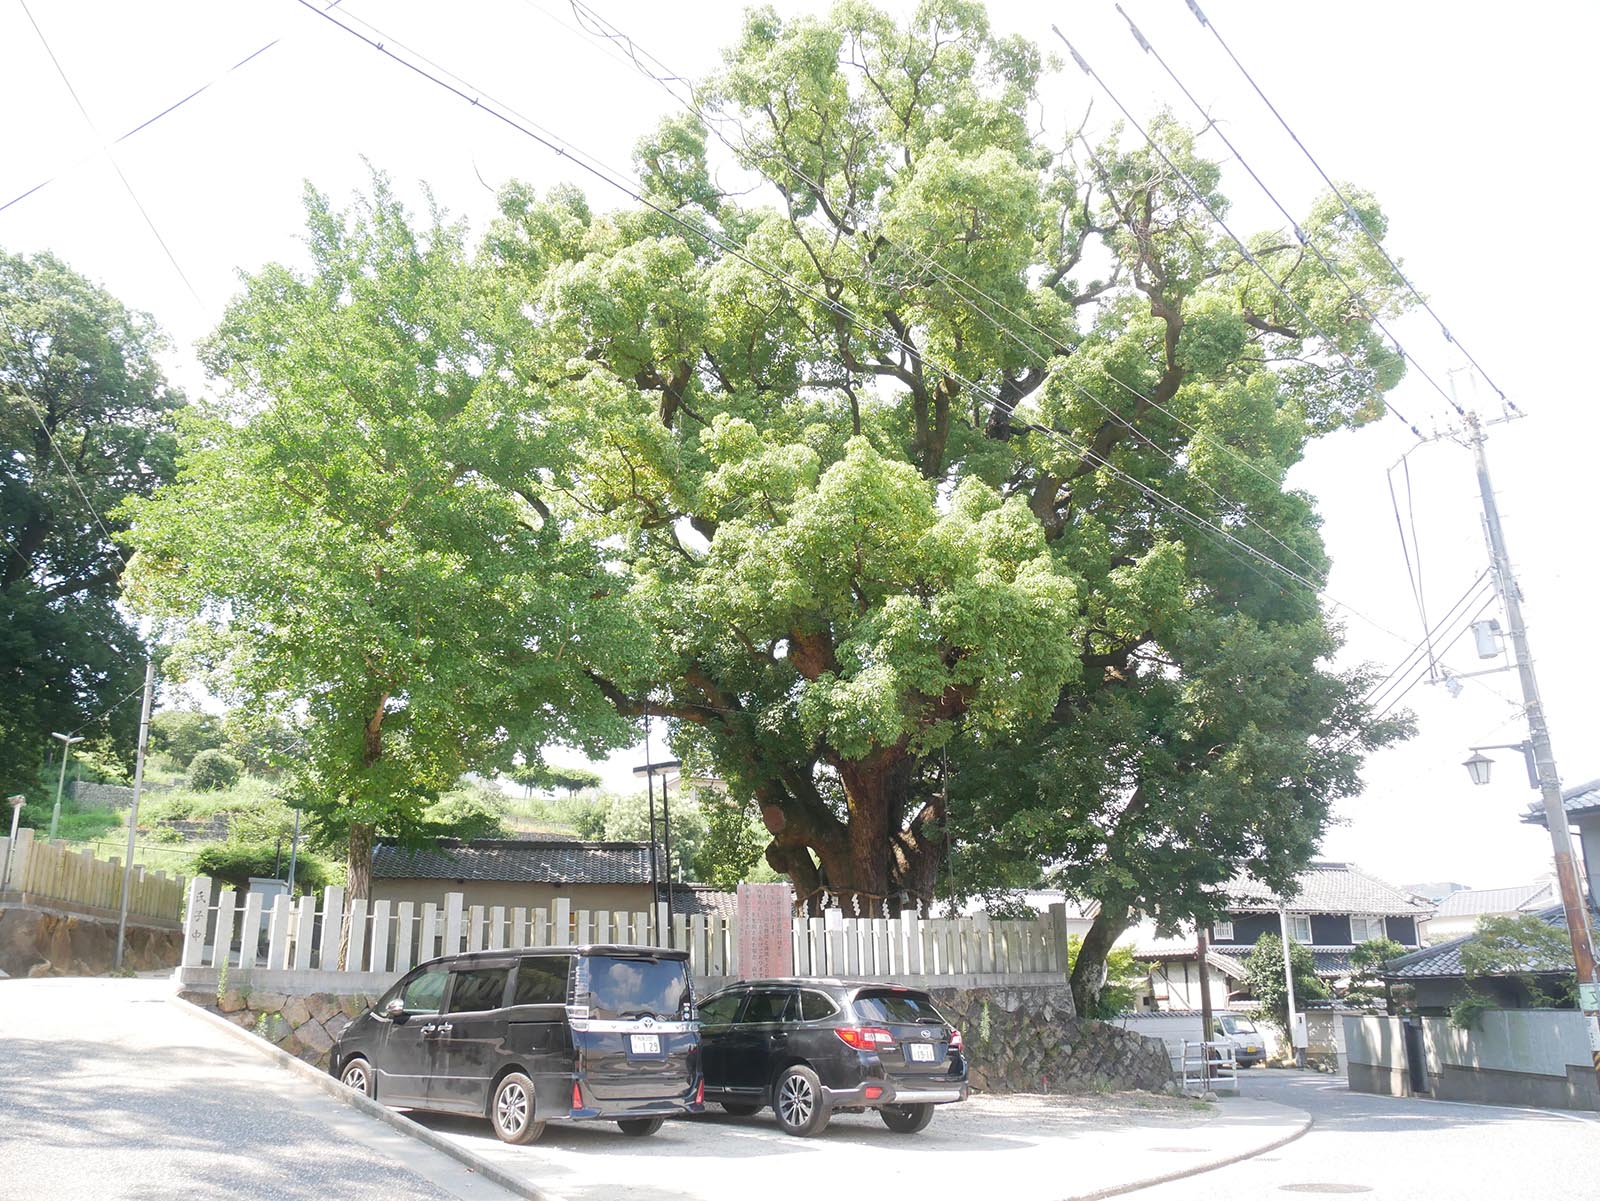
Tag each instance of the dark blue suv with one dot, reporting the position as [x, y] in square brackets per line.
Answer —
[813, 1048]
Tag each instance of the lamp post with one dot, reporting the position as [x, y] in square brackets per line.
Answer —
[66, 752]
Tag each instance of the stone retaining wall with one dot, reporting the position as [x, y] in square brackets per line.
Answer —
[35, 941]
[1019, 1040]
[1030, 1040]
[305, 1027]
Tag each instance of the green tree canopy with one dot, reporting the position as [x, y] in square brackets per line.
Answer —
[956, 477]
[1264, 974]
[355, 540]
[86, 420]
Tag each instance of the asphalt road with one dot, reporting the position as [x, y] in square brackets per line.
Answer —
[1398, 1149]
[108, 1091]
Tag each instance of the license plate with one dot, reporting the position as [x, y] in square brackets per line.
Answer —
[922, 1052]
[644, 1044]
[1251, 1050]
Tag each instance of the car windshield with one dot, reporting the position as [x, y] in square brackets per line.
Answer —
[897, 1009]
[1240, 1026]
[629, 986]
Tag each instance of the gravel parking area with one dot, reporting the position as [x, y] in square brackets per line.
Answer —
[1037, 1147]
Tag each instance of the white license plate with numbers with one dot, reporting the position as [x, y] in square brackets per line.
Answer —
[644, 1044]
[922, 1052]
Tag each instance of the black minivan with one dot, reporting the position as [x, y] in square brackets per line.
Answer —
[523, 1037]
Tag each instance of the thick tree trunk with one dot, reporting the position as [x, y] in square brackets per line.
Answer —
[358, 863]
[876, 789]
[1089, 971]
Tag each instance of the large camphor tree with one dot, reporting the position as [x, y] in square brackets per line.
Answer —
[947, 469]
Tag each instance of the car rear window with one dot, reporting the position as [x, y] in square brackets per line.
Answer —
[896, 1009]
[626, 986]
[543, 980]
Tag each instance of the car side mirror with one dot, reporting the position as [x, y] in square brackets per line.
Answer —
[395, 1009]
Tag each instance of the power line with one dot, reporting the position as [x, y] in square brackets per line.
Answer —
[564, 149]
[72, 476]
[1194, 190]
[143, 125]
[1349, 208]
[116, 166]
[1300, 234]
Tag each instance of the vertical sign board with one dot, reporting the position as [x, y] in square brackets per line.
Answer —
[766, 923]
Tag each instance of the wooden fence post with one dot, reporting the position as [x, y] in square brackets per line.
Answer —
[332, 927]
[354, 951]
[452, 923]
[379, 954]
[250, 932]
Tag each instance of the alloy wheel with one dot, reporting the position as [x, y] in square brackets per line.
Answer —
[796, 1100]
[511, 1109]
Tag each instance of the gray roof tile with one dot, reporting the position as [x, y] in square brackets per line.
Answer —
[1582, 799]
[1330, 888]
[1444, 961]
[517, 861]
[1473, 901]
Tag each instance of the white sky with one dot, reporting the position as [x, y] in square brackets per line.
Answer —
[1470, 121]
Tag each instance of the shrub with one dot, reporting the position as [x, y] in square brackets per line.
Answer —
[234, 863]
[214, 770]
[182, 734]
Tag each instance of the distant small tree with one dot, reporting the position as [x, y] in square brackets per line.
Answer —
[184, 733]
[1368, 963]
[212, 771]
[1524, 949]
[1264, 974]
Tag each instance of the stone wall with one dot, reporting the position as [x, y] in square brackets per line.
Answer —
[1030, 1040]
[44, 942]
[305, 1027]
[1019, 1040]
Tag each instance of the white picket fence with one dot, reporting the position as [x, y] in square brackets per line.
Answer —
[388, 938]
[295, 944]
[900, 947]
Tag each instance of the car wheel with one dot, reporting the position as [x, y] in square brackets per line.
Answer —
[511, 1112]
[906, 1119]
[740, 1109]
[640, 1127]
[798, 1101]
[358, 1074]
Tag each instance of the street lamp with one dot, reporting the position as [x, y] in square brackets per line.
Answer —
[1479, 765]
[66, 753]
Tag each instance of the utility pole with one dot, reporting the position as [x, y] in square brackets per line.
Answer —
[66, 753]
[1555, 813]
[1288, 988]
[133, 813]
[1202, 949]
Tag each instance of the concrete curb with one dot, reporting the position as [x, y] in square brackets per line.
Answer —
[366, 1105]
[1115, 1190]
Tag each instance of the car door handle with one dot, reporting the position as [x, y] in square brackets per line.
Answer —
[445, 1028]
[430, 1028]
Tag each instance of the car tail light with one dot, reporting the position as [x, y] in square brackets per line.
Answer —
[865, 1038]
[955, 1039]
[577, 1097]
[700, 1092]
